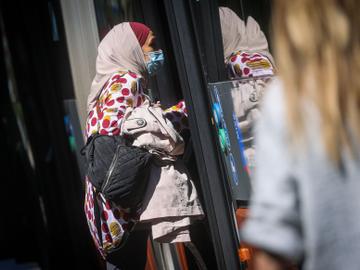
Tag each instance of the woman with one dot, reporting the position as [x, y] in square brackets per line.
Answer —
[305, 204]
[126, 57]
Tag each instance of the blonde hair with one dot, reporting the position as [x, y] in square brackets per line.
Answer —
[317, 49]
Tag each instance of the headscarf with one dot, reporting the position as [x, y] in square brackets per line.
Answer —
[141, 32]
[119, 50]
[240, 37]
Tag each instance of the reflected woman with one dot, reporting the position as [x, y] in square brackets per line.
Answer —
[246, 49]
[246, 55]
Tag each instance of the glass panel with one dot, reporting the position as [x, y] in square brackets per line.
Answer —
[230, 139]
[260, 10]
[235, 110]
[112, 12]
[248, 60]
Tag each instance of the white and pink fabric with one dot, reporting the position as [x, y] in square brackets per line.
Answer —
[118, 85]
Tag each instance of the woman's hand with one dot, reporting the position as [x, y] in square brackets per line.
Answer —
[157, 104]
[266, 261]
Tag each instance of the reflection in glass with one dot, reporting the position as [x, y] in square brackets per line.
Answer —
[112, 12]
[236, 106]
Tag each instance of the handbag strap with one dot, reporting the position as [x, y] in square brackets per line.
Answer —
[88, 141]
[97, 215]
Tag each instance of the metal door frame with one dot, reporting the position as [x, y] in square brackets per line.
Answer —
[197, 67]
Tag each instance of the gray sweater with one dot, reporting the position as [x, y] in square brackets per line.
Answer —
[302, 206]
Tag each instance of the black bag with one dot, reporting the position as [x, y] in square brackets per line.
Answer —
[117, 170]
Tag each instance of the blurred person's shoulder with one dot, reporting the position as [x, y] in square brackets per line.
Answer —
[274, 94]
[273, 103]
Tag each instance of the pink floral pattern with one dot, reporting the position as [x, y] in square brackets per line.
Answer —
[114, 220]
[177, 114]
[245, 64]
[123, 89]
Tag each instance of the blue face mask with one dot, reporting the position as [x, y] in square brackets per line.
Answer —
[155, 62]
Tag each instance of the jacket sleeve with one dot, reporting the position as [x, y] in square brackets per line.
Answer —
[233, 66]
[242, 64]
[274, 217]
[121, 92]
[177, 114]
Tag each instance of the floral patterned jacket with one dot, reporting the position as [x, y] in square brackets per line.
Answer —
[122, 90]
